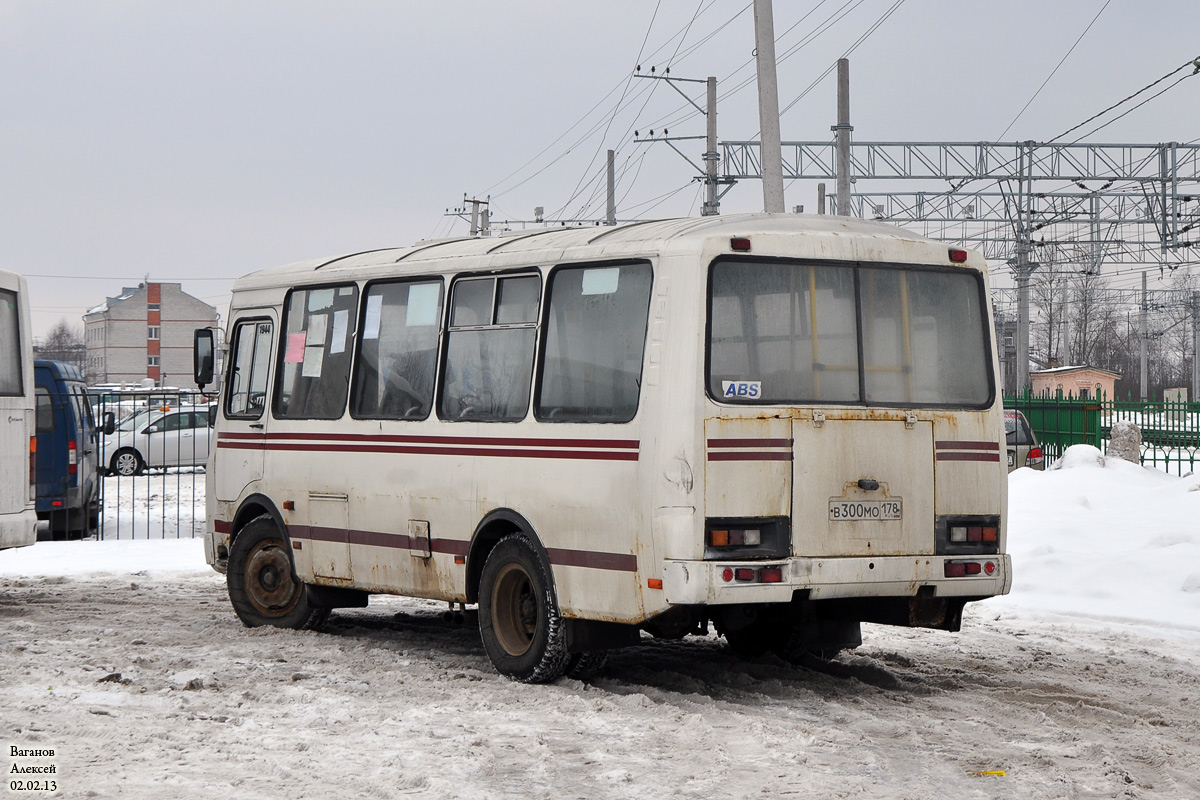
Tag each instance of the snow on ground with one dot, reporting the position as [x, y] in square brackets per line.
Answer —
[162, 504]
[125, 657]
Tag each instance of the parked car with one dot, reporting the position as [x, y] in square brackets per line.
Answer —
[68, 485]
[157, 438]
[1023, 447]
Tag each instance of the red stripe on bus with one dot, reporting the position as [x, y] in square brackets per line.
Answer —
[967, 457]
[603, 444]
[377, 539]
[584, 455]
[318, 534]
[750, 442]
[559, 556]
[950, 445]
[455, 547]
[744, 455]
[620, 562]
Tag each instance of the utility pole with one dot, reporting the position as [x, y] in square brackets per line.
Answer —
[1195, 346]
[1143, 325]
[843, 129]
[479, 208]
[821, 198]
[770, 153]
[1024, 267]
[712, 158]
[712, 202]
[1022, 275]
[611, 218]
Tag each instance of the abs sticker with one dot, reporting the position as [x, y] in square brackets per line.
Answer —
[741, 390]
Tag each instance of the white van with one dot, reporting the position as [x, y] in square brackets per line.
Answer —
[778, 425]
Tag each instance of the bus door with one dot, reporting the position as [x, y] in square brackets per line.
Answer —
[242, 437]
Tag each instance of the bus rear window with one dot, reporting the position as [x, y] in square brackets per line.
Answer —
[10, 345]
[791, 333]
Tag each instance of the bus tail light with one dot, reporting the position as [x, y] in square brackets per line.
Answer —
[961, 534]
[963, 569]
[958, 256]
[770, 575]
[33, 467]
[72, 458]
[735, 537]
[738, 539]
[740, 244]
[752, 575]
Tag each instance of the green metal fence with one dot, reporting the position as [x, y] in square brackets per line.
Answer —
[1170, 428]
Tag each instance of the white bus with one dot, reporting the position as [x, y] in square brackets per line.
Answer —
[778, 425]
[18, 432]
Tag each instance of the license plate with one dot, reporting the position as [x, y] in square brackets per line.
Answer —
[857, 510]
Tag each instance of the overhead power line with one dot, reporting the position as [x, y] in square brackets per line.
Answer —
[1054, 71]
[1191, 63]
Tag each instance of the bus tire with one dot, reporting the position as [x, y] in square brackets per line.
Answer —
[585, 666]
[262, 581]
[519, 622]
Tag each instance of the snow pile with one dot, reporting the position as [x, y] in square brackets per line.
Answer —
[1102, 537]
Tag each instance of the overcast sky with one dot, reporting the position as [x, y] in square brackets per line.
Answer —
[199, 141]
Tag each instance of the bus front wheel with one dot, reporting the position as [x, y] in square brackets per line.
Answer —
[263, 586]
[519, 622]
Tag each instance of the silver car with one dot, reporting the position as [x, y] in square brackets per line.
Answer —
[157, 438]
[1023, 447]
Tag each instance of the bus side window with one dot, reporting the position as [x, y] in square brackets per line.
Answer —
[489, 348]
[314, 375]
[248, 370]
[10, 346]
[595, 340]
[397, 358]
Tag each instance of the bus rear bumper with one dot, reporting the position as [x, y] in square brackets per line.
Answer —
[19, 529]
[727, 582]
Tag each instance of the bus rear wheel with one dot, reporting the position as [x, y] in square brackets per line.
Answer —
[262, 581]
[519, 622]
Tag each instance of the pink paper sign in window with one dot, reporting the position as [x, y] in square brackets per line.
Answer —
[294, 354]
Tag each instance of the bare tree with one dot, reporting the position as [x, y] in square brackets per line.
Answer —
[1175, 344]
[65, 343]
[1048, 293]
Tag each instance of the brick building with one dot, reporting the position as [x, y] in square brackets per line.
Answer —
[145, 332]
[1082, 382]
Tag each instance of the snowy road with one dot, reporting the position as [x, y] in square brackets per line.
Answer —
[394, 702]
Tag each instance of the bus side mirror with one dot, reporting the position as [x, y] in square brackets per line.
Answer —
[110, 423]
[203, 353]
